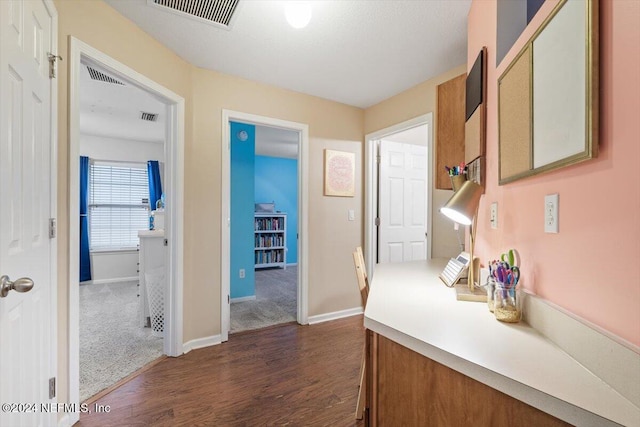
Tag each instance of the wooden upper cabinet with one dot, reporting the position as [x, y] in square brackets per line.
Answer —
[450, 130]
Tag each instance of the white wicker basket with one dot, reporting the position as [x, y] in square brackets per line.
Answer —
[154, 281]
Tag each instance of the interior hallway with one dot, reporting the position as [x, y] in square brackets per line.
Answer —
[282, 375]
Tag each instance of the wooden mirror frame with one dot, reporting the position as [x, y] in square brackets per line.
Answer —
[526, 85]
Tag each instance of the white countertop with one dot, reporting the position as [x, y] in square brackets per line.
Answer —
[408, 304]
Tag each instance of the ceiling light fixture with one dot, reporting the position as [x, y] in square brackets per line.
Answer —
[298, 13]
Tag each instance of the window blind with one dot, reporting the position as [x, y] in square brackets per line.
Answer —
[118, 205]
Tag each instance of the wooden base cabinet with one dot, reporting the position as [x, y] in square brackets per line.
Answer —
[404, 388]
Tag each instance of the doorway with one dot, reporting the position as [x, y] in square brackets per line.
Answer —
[173, 108]
[122, 136]
[399, 138]
[302, 142]
[264, 226]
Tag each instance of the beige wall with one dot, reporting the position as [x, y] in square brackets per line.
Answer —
[331, 237]
[331, 125]
[98, 25]
[414, 102]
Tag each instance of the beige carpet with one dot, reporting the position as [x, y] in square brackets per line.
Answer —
[112, 344]
[275, 303]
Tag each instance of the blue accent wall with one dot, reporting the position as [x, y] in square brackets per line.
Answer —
[276, 180]
[242, 209]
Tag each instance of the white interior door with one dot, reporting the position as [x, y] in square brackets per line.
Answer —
[403, 202]
[25, 190]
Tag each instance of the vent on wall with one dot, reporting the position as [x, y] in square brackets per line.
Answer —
[102, 77]
[149, 117]
[216, 12]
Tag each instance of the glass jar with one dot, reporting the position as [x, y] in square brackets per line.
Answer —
[491, 289]
[507, 303]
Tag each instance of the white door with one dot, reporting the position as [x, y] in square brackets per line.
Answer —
[25, 192]
[402, 203]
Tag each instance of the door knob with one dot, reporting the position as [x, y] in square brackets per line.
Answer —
[23, 284]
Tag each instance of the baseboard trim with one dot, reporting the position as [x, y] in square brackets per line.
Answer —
[241, 299]
[201, 343]
[335, 315]
[116, 280]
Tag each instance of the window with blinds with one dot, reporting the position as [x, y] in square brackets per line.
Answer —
[118, 205]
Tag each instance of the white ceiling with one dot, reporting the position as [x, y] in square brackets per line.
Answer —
[358, 52]
[113, 110]
[275, 142]
[355, 52]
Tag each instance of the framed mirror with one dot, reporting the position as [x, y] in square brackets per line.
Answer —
[548, 95]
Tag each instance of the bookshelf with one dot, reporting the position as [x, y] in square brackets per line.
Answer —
[270, 232]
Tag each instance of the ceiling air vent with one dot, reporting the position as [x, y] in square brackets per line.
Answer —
[215, 12]
[149, 117]
[102, 77]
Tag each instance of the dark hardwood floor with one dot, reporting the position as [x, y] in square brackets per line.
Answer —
[283, 375]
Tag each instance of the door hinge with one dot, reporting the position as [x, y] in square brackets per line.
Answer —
[52, 64]
[228, 299]
[377, 222]
[166, 242]
[52, 387]
[52, 228]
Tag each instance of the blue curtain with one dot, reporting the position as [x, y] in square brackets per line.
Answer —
[85, 257]
[155, 185]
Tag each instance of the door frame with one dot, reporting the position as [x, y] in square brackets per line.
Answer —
[174, 176]
[225, 218]
[371, 187]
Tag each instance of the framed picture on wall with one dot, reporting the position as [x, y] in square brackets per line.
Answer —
[339, 173]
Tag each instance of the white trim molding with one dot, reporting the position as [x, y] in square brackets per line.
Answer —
[371, 179]
[335, 315]
[174, 177]
[65, 421]
[243, 299]
[201, 343]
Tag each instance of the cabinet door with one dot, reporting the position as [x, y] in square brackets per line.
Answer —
[450, 130]
[408, 389]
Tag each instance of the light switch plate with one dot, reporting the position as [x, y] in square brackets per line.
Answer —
[551, 213]
[352, 215]
[493, 215]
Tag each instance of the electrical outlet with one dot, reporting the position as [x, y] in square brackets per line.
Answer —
[493, 215]
[242, 273]
[551, 213]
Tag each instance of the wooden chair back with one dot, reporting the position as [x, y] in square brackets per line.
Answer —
[361, 275]
[363, 284]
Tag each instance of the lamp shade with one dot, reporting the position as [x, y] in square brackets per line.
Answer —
[462, 206]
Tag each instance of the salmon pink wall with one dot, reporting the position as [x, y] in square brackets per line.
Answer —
[591, 267]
